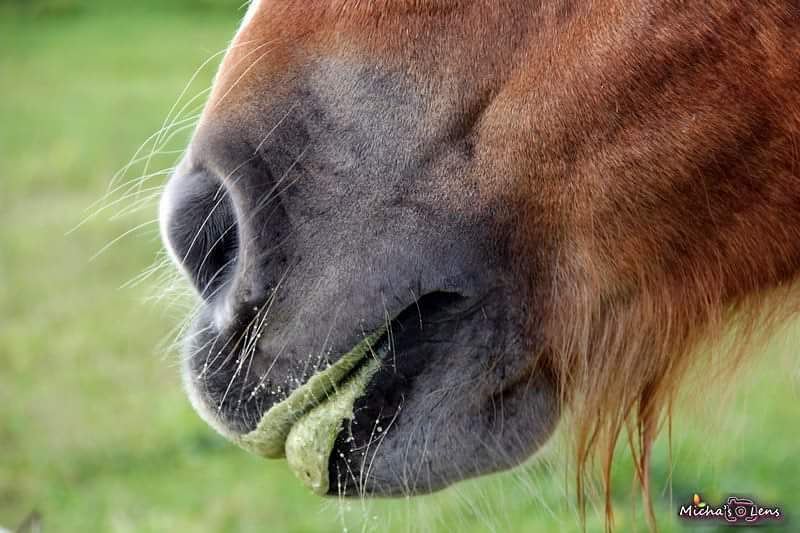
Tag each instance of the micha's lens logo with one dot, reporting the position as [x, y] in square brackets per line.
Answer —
[735, 510]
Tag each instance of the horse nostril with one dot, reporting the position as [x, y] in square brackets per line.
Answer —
[200, 230]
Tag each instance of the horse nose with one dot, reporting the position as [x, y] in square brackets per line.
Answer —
[200, 230]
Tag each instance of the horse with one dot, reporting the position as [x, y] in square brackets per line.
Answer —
[424, 232]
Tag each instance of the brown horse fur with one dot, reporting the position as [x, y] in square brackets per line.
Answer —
[642, 159]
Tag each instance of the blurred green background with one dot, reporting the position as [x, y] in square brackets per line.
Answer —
[95, 432]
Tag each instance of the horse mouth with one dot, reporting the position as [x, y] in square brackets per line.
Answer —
[304, 427]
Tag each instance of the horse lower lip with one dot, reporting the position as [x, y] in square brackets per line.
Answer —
[269, 437]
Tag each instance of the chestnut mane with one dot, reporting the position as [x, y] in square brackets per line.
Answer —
[678, 230]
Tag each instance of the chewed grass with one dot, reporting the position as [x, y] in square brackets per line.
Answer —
[95, 431]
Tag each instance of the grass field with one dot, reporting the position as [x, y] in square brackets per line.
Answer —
[95, 432]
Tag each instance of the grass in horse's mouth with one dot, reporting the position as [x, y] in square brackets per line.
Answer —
[311, 440]
[268, 439]
[303, 428]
